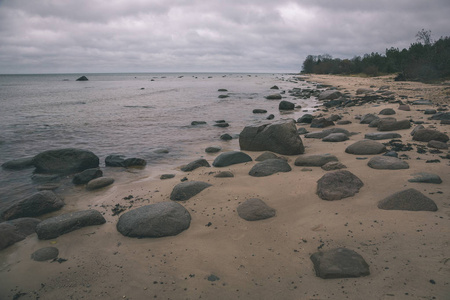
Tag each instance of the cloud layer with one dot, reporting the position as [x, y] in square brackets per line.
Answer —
[51, 36]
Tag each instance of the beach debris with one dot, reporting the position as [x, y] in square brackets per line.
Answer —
[280, 137]
[255, 209]
[87, 175]
[339, 263]
[231, 158]
[44, 254]
[387, 163]
[195, 164]
[269, 167]
[16, 230]
[365, 147]
[315, 160]
[426, 178]
[337, 185]
[410, 199]
[154, 220]
[65, 223]
[186, 190]
[98, 183]
[65, 161]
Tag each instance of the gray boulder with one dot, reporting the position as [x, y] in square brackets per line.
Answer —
[321, 123]
[18, 164]
[365, 147]
[306, 118]
[99, 183]
[166, 176]
[339, 263]
[37, 204]
[255, 209]
[382, 136]
[62, 224]
[387, 163]
[45, 254]
[364, 91]
[404, 107]
[16, 230]
[417, 128]
[231, 158]
[274, 97]
[409, 199]
[114, 160]
[333, 165]
[389, 125]
[86, 176]
[186, 190]
[337, 185]
[65, 161]
[286, 105]
[335, 137]
[267, 155]
[213, 149]
[368, 118]
[387, 111]
[426, 178]
[259, 111]
[224, 174]
[82, 78]
[441, 116]
[326, 132]
[329, 95]
[280, 137]
[154, 220]
[134, 162]
[226, 137]
[437, 145]
[314, 160]
[269, 167]
[426, 135]
[195, 165]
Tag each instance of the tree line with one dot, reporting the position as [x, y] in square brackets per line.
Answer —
[425, 60]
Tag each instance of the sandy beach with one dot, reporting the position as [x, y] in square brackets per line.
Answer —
[408, 252]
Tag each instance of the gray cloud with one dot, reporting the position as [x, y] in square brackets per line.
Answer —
[191, 35]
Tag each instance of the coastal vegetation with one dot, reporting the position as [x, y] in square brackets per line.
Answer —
[425, 60]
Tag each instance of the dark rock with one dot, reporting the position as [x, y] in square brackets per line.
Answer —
[382, 136]
[99, 183]
[18, 164]
[429, 111]
[82, 78]
[195, 123]
[222, 90]
[391, 154]
[270, 117]
[275, 88]
[161, 151]
[337, 185]
[213, 149]
[166, 176]
[195, 164]
[302, 130]
[326, 132]
[422, 102]
[231, 158]
[44, 254]
[269, 167]
[329, 95]
[314, 160]
[426, 135]
[387, 163]
[255, 209]
[426, 178]
[416, 129]
[286, 105]
[221, 125]
[62, 224]
[134, 162]
[387, 112]
[343, 122]
[224, 174]
[16, 230]
[437, 144]
[364, 91]
[154, 220]
[274, 97]
[332, 103]
[114, 160]
[65, 161]
[279, 137]
[321, 123]
[388, 125]
[368, 118]
[339, 263]
[259, 111]
[404, 107]
[335, 137]
[45, 178]
[86, 176]
[365, 147]
[223, 96]
[188, 189]
[306, 118]
[226, 137]
[33, 206]
[441, 116]
[409, 199]
[334, 118]
[333, 165]
[267, 155]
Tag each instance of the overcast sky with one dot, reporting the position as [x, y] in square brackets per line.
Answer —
[88, 36]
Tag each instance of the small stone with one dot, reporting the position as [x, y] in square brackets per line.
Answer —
[44, 254]
[166, 176]
[98, 183]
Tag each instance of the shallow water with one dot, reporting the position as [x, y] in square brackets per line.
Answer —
[129, 114]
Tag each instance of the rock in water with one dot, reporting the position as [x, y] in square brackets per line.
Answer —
[44, 254]
[314, 160]
[87, 175]
[387, 163]
[286, 105]
[18, 164]
[16, 230]
[280, 137]
[186, 190]
[114, 160]
[339, 263]
[65, 161]
[98, 183]
[255, 209]
[231, 158]
[62, 224]
[37, 204]
[195, 165]
[155, 220]
[365, 147]
[409, 199]
[274, 97]
[134, 162]
[337, 185]
[82, 78]
[269, 167]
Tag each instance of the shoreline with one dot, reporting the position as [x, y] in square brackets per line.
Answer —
[406, 251]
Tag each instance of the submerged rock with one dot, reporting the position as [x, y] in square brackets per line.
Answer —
[65, 161]
[82, 78]
[86, 176]
[18, 164]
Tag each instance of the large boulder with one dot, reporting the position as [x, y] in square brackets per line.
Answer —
[37, 204]
[154, 220]
[201, 162]
[269, 167]
[82, 78]
[339, 263]
[188, 189]
[16, 230]
[65, 161]
[426, 135]
[87, 175]
[286, 105]
[280, 137]
[329, 95]
[314, 160]
[365, 147]
[337, 185]
[409, 199]
[255, 209]
[390, 125]
[231, 158]
[62, 224]
[387, 163]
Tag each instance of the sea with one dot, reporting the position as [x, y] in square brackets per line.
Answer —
[144, 115]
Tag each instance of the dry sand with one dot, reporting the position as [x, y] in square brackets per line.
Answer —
[408, 252]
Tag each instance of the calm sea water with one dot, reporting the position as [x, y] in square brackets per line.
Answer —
[129, 114]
